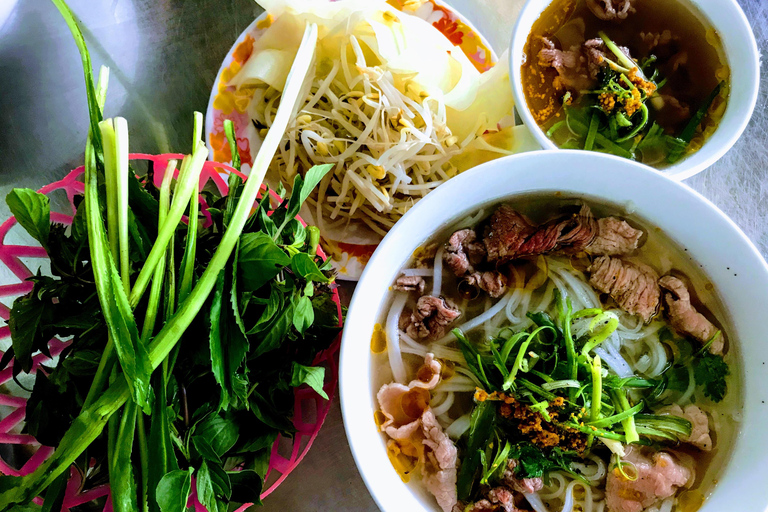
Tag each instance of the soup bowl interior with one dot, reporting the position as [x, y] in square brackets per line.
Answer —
[741, 54]
[726, 256]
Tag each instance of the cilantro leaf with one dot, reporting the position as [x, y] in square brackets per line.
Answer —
[710, 372]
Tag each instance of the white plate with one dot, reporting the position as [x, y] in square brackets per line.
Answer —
[224, 102]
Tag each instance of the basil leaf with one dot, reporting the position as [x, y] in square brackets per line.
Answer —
[246, 486]
[273, 305]
[259, 260]
[312, 376]
[304, 265]
[205, 449]
[32, 211]
[205, 492]
[173, 490]
[276, 331]
[221, 433]
[303, 186]
[295, 234]
[303, 314]
[24, 323]
[212, 483]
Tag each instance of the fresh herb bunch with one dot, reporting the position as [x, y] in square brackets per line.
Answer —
[617, 120]
[544, 397]
[186, 342]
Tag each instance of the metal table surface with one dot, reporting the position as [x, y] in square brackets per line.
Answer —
[164, 56]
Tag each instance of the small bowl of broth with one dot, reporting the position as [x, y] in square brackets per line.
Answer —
[526, 339]
[668, 83]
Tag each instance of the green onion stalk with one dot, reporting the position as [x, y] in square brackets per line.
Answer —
[89, 424]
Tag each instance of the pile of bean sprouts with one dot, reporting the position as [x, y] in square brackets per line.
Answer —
[387, 137]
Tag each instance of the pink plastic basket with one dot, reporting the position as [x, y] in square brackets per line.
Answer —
[310, 410]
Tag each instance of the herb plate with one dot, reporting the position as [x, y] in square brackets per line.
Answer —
[310, 410]
[348, 258]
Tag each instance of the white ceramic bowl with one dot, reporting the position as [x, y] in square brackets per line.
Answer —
[731, 262]
[742, 56]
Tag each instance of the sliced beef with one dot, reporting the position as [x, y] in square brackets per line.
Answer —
[511, 234]
[493, 282]
[463, 251]
[507, 233]
[659, 476]
[441, 461]
[596, 53]
[431, 318]
[409, 284]
[632, 285]
[498, 499]
[571, 66]
[609, 10]
[699, 437]
[524, 485]
[614, 237]
[684, 317]
[577, 232]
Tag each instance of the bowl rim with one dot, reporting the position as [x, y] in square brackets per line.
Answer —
[742, 56]
[655, 197]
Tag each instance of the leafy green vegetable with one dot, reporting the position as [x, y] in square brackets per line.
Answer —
[260, 260]
[481, 428]
[210, 403]
[710, 371]
[312, 376]
[173, 490]
[32, 211]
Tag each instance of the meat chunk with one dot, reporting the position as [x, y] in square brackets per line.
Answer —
[463, 252]
[440, 462]
[431, 318]
[493, 282]
[609, 10]
[577, 232]
[409, 284]
[499, 499]
[659, 476]
[506, 234]
[632, 285]
[699, 437]
[524, 485]
[570, 66]
[614, 237]
[596, 53]
[511, 234]
[684, 317]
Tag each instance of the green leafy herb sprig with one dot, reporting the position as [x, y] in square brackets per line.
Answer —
[186, 342]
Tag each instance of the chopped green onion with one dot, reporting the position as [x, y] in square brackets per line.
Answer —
[592, 132]
[560, 384]
[639, 127]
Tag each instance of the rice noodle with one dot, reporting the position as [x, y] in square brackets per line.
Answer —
[535, 501]
[478, 320]
[459, 426]
[437, 280]
[421, 272]
[443, 406]
[393, 337]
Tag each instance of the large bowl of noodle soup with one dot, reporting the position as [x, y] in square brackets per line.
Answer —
[682, 235]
